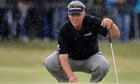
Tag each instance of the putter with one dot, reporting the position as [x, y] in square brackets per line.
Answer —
[113, 57]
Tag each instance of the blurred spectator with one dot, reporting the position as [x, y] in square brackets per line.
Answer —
[59, 15]
[112, 9]
[11, 17]
[34, 21]
[46, 28]
[137, 20]
[120, 11]
[124, 18]
[23, 7]
[48, 19]
[97, 7]
[3, 21]
[137, 7]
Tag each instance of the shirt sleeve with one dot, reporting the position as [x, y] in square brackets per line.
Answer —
[102, 31]
[96, 23]
[62, 43]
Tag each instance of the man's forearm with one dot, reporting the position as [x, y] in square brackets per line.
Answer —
[65, 65]
[114, 31]
[111, 26]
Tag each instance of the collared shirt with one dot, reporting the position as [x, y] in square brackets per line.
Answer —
[80, 45]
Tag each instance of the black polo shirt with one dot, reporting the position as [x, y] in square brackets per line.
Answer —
[80, 45]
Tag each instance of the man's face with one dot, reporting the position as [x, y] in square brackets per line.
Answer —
[77, 19]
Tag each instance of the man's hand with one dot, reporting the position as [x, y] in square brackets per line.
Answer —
[111, 26]
[107, 23]
[73, 79]
[66, 67]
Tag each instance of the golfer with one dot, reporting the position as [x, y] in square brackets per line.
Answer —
[78, 48]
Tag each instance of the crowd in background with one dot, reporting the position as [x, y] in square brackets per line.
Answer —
[41, 19]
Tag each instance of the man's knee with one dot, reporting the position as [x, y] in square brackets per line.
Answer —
[47, 64]
[51, 61]
[104, 67]
[100, 72]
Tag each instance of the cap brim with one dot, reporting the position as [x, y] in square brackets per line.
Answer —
[74, 13]
[77, 11]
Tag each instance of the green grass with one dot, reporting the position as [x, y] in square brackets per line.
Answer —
[22, 63]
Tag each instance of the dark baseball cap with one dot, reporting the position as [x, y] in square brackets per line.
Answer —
[76, 7]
